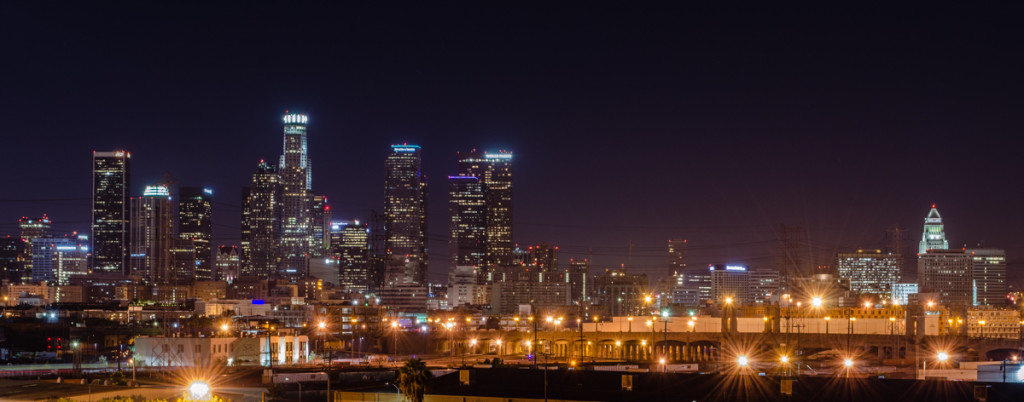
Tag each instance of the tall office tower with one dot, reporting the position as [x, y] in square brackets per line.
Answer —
[296, 183]
[111, 183]
[350, 242]
[12, 258]
[262, 222]
[793, 257]
[730, 282]
[764, 283]
[578, 278]
[620, 293]
[934, 236]
[405, 214]
[229, 263]
[30, 229]
[467, 225]
[56, 260]
[495, 173]
[320, 229]
[152, 235]
[950, 273]
[378, 250]
[543, 260]
[183, 264]
[989, 275]
[697, 282]
[676, 256]
[246, 248]
[869, 271]
[195, 223]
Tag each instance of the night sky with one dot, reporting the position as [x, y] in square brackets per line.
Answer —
[628, 125]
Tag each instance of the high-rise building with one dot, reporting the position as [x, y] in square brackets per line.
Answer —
[405, 214]
[578, 278]
[494, 170]
[320, 229]
[764, 283]
[12, 258]
[869, 271]
[950, 273]
[697, 282]
[195, 223]
[152, 235]
[229, 263]
[350, 249]
[261, 223]
[543, 260]
[676, 256]
[183, 263]
[296, 184]
[619, 293]
[989, 275]
[467, 224]
[56, 260]
[111, 184]
[30, 229]
[934, 236]
[730, 282]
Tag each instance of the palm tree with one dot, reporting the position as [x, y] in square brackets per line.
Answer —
[413, 379]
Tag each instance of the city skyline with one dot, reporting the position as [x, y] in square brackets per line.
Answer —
[635, 135]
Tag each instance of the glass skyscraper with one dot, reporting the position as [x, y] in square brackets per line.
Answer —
[261, 226]
[467, 212]
[152, 235]
[195, 223]
[110, 216]
[495, 173]
[405, 216]
[296, 183]
[350, 248]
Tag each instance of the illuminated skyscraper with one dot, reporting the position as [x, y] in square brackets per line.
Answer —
[676, 256]
[296, 183]
[468, 225]
[194, 223]
[320, 229]
[110, 211]
[934, 236]
[350, 250]
[405, 217]
[989, 275]
[30, 229]
[495, 173]
[152, 235]
[950, 273]
[869, 271]
[730, 282]
[261, 223]
[56, 260]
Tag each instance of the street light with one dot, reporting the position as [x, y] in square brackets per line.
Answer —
[816, 302]
[848, 364]
[742, 361]
[940, 357]
[981, 323]
[199, 390]
[394, 329]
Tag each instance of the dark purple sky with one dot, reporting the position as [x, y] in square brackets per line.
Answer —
[715, 125]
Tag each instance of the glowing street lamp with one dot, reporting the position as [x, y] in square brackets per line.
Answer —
[742, 361]
[816, 302]
[199, 390]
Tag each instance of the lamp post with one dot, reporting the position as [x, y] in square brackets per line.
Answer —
[321, 326]
[981, 325]
[394, 330]
[848, 364]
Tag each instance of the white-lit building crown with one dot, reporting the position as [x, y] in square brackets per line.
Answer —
[295, 118]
